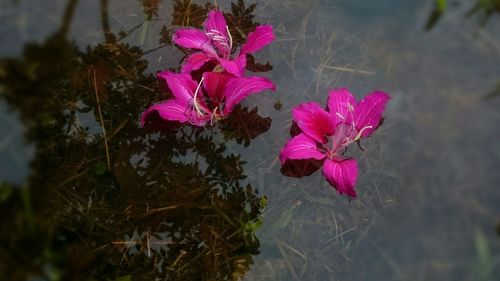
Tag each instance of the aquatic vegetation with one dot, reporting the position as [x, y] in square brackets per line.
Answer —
[215, 43]
[209, 100]
[346, 122]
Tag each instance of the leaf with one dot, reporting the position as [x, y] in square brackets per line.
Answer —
[165, 37]
[301, 167]
[484, 262]
[188, 14]
[124, 278]
[285, 218]
[441, 5]
[241, 21]
[100, 75]
[5, 191]
[100, 168]
[433, 19]
[257, 67]
[243, 125]
[278, 104]
[240, 266]
[495, 92]
[150, 8]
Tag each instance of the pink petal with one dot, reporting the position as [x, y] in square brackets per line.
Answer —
[181, 85]
[301, 147]
[368, 112]
[173, 110]
[236, 66]
[195, 61]
[313, 120]
[258, 39]
[239, 88]
[192, 38]
[215, 25]
[214, 84]
[341, 175]
[341, 105]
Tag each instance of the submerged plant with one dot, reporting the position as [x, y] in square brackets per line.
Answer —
[215, 43]
[209, 100]
[345, 122]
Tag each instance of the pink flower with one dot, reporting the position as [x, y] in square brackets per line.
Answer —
[345, 122]
[210, 99]
[214, 43]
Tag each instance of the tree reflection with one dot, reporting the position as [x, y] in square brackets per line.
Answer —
[107, 199]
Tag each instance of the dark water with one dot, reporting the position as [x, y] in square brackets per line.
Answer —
[211, 204]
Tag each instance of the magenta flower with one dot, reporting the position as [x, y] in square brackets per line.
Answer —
[208, 100]
[346, 122]
[214, 43]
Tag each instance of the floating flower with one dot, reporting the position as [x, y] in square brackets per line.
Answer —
[208, 100]
[325, 134]
[215, 43]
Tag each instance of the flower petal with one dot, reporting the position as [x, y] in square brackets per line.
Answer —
[368, 112]
[258, 39]
[192, 38]
[181, 85]
[216, 29]
[341, 105]
[313, 120]
[239, 88]
[195, 61]
[236, 66]
[301, 167]
[173, 110]
[214, 84]
[342, 175]
[301, 147]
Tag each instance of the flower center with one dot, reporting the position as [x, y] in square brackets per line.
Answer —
[221, 39]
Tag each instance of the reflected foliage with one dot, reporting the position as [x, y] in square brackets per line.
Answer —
[150, 8]
[107, 200]
[244, 125]
[484, 9]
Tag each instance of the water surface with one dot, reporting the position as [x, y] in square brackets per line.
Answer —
[211, 203]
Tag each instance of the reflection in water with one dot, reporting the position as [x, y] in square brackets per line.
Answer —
[484, 9]
[120, 201]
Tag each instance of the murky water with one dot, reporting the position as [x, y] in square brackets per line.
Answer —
[125, 203]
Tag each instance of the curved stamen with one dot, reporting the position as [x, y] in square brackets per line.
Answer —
[195, 102]
[230, 39]
[358, 136]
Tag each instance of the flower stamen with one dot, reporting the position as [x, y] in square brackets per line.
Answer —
[230, 39]
[358, 136]
[195, 100]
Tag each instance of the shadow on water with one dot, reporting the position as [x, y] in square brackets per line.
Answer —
[107, 199]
